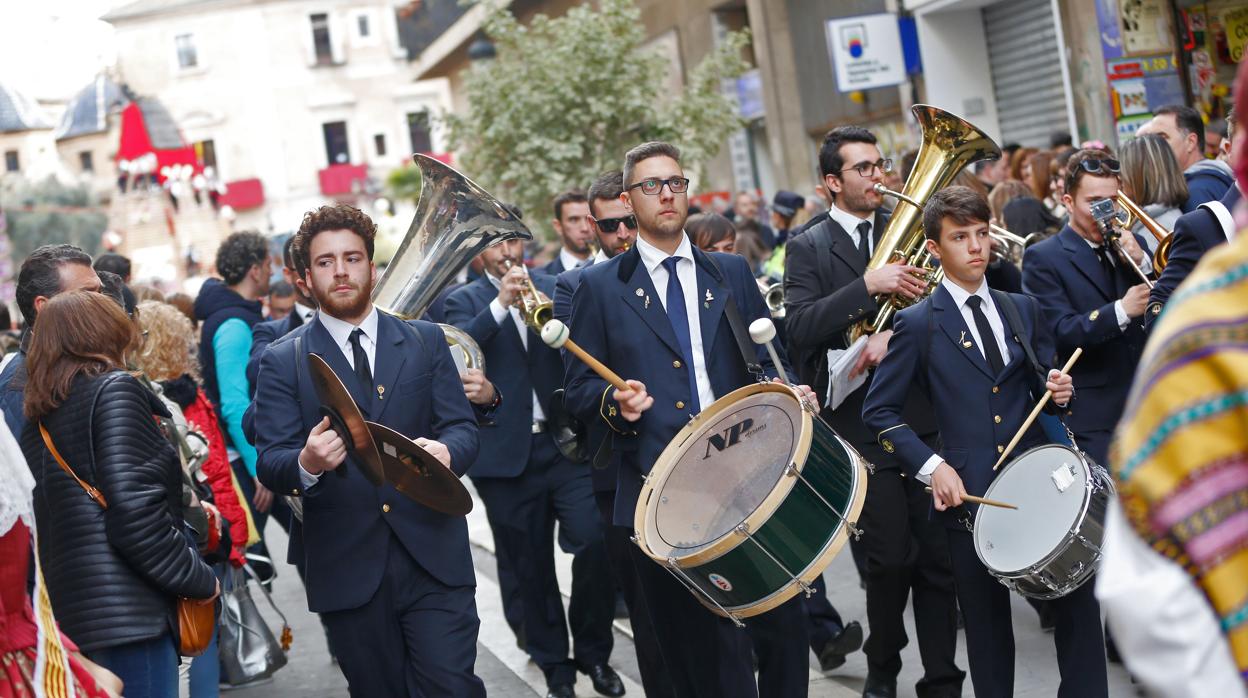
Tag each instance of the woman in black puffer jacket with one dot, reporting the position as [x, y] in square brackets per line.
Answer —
[113, 574]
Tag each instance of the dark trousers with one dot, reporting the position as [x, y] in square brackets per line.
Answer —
[707, 656]
[822, 621]
[907, 553]
[985, 603]
[522, 512]
[781, 649]
[1096, 445]
[654, 676]
[415, 637]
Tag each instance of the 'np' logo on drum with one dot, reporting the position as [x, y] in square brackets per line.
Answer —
[720, 581]
[731, 437]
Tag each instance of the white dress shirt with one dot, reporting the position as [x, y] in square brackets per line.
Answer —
[1164, 626]
[960, 296]
[652, 257]
[850, 223]
[1120, 313]
[341, 332]
[304, 312]
[500, 313]
[570, 261]
[600, 256]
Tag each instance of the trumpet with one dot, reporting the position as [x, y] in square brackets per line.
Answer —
[535, 308]
[773, 296]
[1133, 212]
[1111, 228]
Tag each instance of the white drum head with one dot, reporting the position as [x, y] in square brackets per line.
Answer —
[1049, 485]
[720, 474]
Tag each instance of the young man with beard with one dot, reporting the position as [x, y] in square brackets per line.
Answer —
[527, 485]
[959, 348]
[656, 314]
[571, 223]
[828, 290]
[1092, 298]
[392, 579]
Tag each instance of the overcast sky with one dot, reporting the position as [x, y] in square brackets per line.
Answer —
[51, 48]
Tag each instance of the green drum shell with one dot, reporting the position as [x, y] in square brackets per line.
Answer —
[802, 534]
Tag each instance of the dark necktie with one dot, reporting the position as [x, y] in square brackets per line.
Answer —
[987, 339]
[360, 358]
[1113, 272]
[864, 241]
[678, 315]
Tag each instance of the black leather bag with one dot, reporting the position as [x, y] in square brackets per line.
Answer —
[248, 650]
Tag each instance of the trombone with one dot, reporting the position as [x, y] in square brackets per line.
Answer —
[535, 308]
[1134, 212]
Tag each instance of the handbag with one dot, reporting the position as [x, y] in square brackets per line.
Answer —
[248, 650]
[196, 620]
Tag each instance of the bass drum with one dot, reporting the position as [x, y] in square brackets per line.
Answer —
[1051, 544]
[751, 501]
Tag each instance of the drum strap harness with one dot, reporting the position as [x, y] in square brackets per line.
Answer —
[739, 332]
[1050, 421]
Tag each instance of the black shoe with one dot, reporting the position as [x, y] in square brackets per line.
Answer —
[879, 688]
[833, 654]
[563, 690]
[606, 681]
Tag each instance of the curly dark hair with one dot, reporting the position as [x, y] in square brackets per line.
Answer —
[239, 253]
[334, 217]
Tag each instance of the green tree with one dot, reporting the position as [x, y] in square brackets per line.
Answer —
[565, 98]
[49, 212]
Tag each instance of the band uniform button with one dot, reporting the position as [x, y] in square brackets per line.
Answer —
[1000, 448]
[996, 419]
[680, 405]
[888, 445]
[385, 508]
[996, 389]
[676, 364]
[294, 493]
[1094, 315]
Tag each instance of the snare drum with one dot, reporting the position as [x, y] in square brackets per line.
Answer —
[751, 501]
[1051, 544]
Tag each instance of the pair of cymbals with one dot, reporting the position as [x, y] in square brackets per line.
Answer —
[385, 455]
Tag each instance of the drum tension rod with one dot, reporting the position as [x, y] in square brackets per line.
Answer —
[681, 577]
[791, 470]
[745, 531]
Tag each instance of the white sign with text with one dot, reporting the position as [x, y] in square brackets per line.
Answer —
[866, 52]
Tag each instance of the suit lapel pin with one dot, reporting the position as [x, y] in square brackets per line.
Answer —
[640, 293]
[966, 343]
[647, 302]
[709, 297]
[381, 392]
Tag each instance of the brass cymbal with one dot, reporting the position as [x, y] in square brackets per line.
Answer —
[346, 419]
[418, 475]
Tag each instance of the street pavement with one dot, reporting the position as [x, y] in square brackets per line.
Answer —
[507, 673]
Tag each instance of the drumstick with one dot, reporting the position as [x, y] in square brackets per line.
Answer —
[556, 335]
[762, 331]
[1036, 410]
[980, 500]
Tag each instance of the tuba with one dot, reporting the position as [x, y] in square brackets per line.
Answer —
[1134, 212]
[949, 144]
[455, 220]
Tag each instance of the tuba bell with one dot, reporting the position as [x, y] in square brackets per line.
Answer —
[949, 144]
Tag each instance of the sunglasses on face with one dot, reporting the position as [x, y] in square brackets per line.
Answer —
[610, 225]
[866, 169]
[653, 185]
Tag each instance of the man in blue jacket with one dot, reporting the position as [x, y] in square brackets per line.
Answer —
[392, 579]
[1184, 131]
[960, 348]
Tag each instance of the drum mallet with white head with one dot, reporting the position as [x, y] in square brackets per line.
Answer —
[556, 335]
[762, 331]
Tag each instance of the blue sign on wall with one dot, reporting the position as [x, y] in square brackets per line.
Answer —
[910, 45]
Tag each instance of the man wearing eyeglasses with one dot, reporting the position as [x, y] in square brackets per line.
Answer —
[657, 315]
[1092, 298]
[827, 290]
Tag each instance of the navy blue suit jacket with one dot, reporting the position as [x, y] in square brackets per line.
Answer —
[554, 267]
[1077, 299]
[1195, 234]
[515, 372]
[262, 335]
[345, 527]
[635, 339]
[968, 397]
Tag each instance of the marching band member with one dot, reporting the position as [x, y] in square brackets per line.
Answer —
[656, 313]
[527, 485]
[957, 348]
[1091, 299]
[616, 229]
[393, 580]
[572, 225]
[827, 292]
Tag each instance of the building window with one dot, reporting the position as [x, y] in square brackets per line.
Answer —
[379, 142]
[10, 161]
[320, 39]
[362, 23]
[336, 142]
[206, 151]
[418, 129]
[187, 56]
[87, 161]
